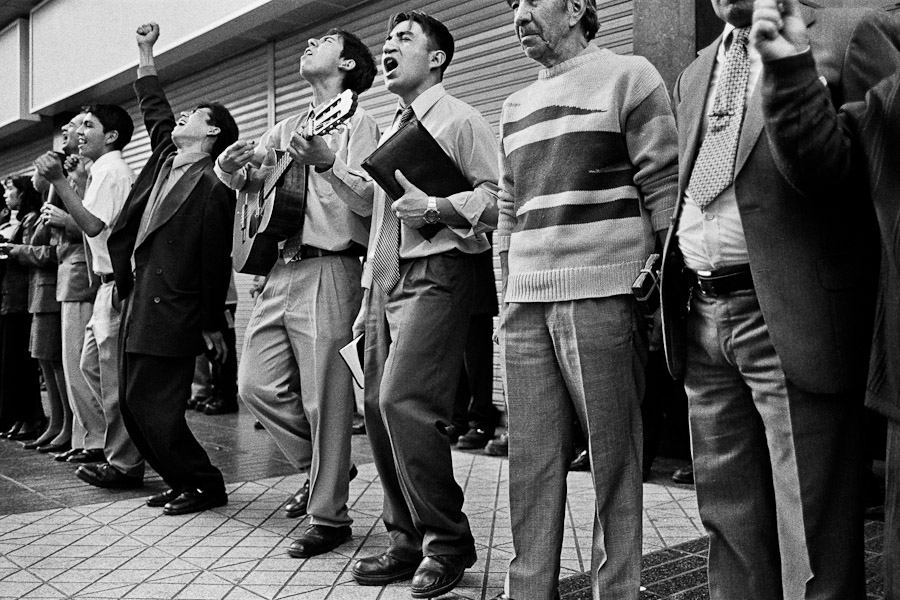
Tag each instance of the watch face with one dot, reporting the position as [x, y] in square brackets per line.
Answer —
[432, 216]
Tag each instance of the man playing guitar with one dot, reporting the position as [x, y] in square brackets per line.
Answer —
[290, 376]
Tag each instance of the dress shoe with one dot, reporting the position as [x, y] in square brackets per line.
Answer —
[91, 455]
[319, 539]
[454, 432]
[503, 596]
[12, 430]
[107, 476]
[474, 439]
[33, 445]
[191, 501]
[498, 446]
[220, 407]
[193, 401]
[439, 574]
[51, 448]
[162, 498]
[684, 475]
[582, 462]
[383, 569]
[64, 456]
[359, 424]
[28, 432]
[297, 504]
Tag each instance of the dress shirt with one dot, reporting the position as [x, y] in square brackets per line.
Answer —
[713, 237]
[181, 162]
[110, 182]
[467, 138]
[339, 200]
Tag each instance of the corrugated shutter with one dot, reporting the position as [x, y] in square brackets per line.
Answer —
[17, 160]
[487, 67]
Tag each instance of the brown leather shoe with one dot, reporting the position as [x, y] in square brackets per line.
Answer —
[439, 574]
[107, 476]
[319, 539]
[383, 569]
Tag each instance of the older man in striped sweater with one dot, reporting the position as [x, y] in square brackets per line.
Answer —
[588, 184]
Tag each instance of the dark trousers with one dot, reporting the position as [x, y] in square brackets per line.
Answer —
[153, 395]
[414, 346]
[20, 393]
[224, 375]
[474, 406]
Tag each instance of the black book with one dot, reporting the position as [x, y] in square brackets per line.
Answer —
[421, 159]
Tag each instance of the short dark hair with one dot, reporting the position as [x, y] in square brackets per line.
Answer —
[220, 117]
[30, 198]
[113, 118]
[360, 77]
[439, 37]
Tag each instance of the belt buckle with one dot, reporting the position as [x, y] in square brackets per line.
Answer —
[707, 286]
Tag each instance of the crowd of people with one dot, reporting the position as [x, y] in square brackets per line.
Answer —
[759, 182]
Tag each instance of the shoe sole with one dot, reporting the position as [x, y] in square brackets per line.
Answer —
[440, 591]
[384, 579]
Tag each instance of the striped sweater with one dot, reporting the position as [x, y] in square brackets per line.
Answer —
[588, 173]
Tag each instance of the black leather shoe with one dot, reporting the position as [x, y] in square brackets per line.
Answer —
[297, 504]
[53, 448]
[193, 401]
[498, 446]
[684, 475]
[454, 432]
[191, 501]
[29, 434]
[12, 430]
[107, 476]
[383, 569]
[474, 439]
[220, 407]
[64, 456]
[319, 539]
[439, 574]
[162, 498]
[582, 462]
[91, 455]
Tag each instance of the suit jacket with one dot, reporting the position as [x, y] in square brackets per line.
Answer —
[182, 267]
[14, 288]
[73, 282]
[814, 264]
[816, 151]
[38, 253]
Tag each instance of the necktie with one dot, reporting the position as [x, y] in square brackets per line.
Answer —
[714, 169]
[386, 258]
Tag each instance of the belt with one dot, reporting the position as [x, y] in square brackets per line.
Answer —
[722, 282]
[105, 277]
[313, 252]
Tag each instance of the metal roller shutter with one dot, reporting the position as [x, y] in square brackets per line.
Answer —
[487, 67]
[16, 161]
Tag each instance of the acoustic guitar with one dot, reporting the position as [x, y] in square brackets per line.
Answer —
[271, 210]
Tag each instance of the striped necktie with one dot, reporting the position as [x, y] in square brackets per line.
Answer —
[714, 168]
[386, 258]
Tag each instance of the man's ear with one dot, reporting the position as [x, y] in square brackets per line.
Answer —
[576, 10]
[347, 64]
[212, 130]
[109, 137]
[438, 58]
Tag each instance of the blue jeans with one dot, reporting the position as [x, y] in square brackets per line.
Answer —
[777, 469]
[586, 356]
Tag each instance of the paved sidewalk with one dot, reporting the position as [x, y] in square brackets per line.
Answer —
[123, 549]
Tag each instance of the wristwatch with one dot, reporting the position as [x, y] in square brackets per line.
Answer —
[432, 214]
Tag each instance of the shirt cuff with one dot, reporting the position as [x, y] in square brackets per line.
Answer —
[233, 180]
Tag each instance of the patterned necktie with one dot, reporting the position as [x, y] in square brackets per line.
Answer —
[714, 168]
[386, 258]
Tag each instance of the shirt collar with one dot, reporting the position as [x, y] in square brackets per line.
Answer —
[423, 103]
[183, 159]
[111, 156]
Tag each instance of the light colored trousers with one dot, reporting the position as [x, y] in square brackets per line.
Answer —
[88, 424]
[584, 357]
[292, 379]
[100, 367]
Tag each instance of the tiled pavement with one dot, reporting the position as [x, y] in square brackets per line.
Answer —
[113, 546]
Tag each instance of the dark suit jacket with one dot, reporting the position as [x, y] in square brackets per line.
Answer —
[182, 267]
[39, 255]
[814, 264]
[14, 288]
[816, 151]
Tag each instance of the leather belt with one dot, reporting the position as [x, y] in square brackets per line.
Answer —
[722, 282]
[105, 277]
[313, 252]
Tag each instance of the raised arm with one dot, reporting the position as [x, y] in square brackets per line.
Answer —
[158, 116]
